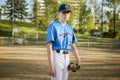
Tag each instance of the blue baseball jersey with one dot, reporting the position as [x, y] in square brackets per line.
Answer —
[61, 36]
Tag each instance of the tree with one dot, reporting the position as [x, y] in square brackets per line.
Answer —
[41, 9]
[51, 10]
[84, 18]
[35, 19]
[0, 12]
[20, 11]
[18, 7]
[35, 11]
[113, 6]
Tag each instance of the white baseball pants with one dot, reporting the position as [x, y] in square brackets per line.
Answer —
[61, 62]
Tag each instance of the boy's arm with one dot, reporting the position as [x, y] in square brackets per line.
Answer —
[75, 53]
[50, 59]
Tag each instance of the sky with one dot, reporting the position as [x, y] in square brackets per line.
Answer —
[2, 2]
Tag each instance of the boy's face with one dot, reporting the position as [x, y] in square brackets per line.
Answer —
[64, 15]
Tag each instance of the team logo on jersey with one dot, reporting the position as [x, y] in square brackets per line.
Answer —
[65, 34]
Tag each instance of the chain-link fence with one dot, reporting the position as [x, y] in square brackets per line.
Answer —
[83, 42]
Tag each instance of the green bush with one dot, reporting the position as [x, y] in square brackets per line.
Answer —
[118, 35]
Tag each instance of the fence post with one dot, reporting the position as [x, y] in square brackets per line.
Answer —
[88, 42]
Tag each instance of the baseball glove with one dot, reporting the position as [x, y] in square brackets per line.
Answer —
[73, 67]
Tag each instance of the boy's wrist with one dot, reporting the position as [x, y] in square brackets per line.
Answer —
[78, 62]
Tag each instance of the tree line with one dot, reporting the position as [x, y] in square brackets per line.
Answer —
[86, 17]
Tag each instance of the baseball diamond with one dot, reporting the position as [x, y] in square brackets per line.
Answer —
[30, 63]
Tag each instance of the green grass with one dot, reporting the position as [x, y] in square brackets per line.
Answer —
[27, 30]
[28, 34]
[5, 29]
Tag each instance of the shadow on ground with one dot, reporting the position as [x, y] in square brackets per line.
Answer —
[30, 63]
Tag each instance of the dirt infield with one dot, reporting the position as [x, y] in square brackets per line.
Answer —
[30, 63]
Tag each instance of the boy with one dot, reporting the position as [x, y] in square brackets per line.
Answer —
[60, 41]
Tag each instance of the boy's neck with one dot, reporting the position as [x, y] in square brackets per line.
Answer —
[62, 22]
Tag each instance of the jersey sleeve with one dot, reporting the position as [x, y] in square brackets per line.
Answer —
[74, 39]
[50, 34]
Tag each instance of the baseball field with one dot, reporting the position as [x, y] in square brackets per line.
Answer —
[19, 62]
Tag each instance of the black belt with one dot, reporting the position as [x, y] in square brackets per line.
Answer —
[64, 52]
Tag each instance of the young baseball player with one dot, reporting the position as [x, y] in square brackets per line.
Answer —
[60, 41]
